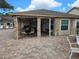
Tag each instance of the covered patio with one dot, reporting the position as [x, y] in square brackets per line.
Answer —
[33, 26]
[42, 22]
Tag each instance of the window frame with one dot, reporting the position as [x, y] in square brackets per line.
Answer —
[62, 24]
[77, 23]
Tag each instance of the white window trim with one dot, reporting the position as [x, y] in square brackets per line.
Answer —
[76, 22]
[76, 25]
[68, 24]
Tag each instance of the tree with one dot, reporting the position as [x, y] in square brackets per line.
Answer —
[8, 13]
[5, 5]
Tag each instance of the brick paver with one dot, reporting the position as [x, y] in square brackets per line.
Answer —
[33, 48]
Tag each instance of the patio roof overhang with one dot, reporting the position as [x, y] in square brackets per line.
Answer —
[43, 16]
[45, 13]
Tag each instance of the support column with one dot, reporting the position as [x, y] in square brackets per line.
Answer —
[38, 27]
[5, 24]
[16, 28]
[49, 27]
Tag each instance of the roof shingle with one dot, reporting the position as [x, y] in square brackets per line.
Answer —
[44, 12]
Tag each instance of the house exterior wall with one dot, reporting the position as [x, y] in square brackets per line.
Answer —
[57, 27]
[74, 11]
[6, 22]
[71, 27]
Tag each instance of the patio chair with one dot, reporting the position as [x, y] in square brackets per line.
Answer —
[77, 39]
[28, 32]
[74, 47]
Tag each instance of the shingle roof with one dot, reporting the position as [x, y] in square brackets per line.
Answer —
[44, 12]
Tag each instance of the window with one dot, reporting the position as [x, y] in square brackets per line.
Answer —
[64, 25]
[9, 24]
[77, 24]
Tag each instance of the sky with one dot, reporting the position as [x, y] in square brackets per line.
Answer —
[56, 5]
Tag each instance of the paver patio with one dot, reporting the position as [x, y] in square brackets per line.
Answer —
[33, 48]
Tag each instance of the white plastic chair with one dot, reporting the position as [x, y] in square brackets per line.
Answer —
[74, 48]
[77, 39]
